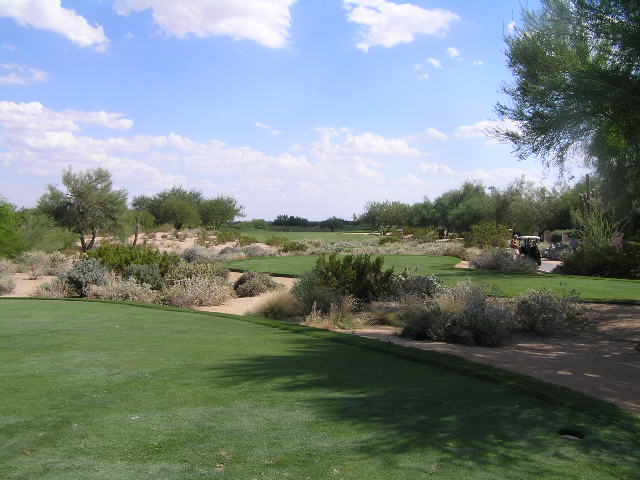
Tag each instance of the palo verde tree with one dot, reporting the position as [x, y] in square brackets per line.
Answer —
[576, 90]
[383, 216]
[220, 210]
[175, 205]
[11, 242]
[88, 205]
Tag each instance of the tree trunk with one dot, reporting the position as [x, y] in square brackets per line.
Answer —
[83, 243]
[135, 236]
[94, 234]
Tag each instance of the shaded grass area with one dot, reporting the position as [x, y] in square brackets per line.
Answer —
[262, 235]
[508, 284]
[104, 391]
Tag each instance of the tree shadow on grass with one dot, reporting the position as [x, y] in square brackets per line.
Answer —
[403, 407]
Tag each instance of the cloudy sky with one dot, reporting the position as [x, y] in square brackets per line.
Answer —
[304, 107]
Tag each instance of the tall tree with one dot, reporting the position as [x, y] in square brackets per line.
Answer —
[156, 204]
[576, 90]
[88, 206]
[220, 210]
[11, 242]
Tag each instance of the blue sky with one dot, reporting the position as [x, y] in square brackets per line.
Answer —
[307, 107]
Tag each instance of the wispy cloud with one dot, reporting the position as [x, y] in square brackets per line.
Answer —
[21, 75]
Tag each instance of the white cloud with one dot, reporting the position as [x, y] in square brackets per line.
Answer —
[477, 63]
[511, 26]
[335, 142]
[51, 15]
[494, 176]
[436, 134]
[453, 52]
[262, 125]
[418, 66]
[21, 75]
[434, 62]
[389, 24]
[264, 21]
[424, 76]
[6, 46]
[483, 128]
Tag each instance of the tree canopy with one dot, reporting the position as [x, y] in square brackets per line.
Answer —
[220, 210]
[87, 206]
[576, 92]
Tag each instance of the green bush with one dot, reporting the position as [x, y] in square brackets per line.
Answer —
[57, 288]
[117, 257]
[503, 261]
[276, 241]
[209, 270]
[389, 239]
[40, 232]
[487, 234]
[145, 274]
[606, 261]
[457, 250]
[357, 276]
[251, 284]
[7, 284]
[84, 273]
[226, 237]
[244, 241]
[417, 285]
[547, 313]
[310, 291]
[422, 234]
[256, 251]
[291, 246]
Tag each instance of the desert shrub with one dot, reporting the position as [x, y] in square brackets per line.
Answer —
[251, 284]
[453, 249]
[197, 291]
[226, 237]
[122, 289]
[184, 270]
[291, 246]
[422, 234]
[256, 251]
[389, 239]
[231, 253]
[557, 251]
[487, 234]
[604, 261]
[56, 288]
[459, 314]
[547, 313]
[117, 257]
[6, 267]
[84, 273]
[34, 263]
[197, 253]
[244, 241]
[310, 290]
[357, 276]
[341, 314]
[503, 261]
[276, 241]
[7, 284]
[147, 274]
[41, 233]
[280, 306]
[417, 285]
[58, 263]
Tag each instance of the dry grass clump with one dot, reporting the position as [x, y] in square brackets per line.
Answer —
[56, 288]
[33, 263]
[117, 288]
[7, 284]
[7, 267]
[503, 261]
[341, 315]
[197, 291]
[280, 306]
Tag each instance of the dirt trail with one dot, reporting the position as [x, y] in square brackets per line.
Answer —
[603, 363]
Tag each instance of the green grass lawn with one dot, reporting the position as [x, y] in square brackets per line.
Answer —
[102, 391]
[325, 236]
[509, 284]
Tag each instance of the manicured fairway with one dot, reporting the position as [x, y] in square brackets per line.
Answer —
[311, 235]
[103, 391]
[508, 284]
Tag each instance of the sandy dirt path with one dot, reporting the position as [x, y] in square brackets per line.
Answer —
[602, 363]
[240, 306]
[24, 286]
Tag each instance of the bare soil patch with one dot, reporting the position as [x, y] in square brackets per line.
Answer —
[602, 362]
